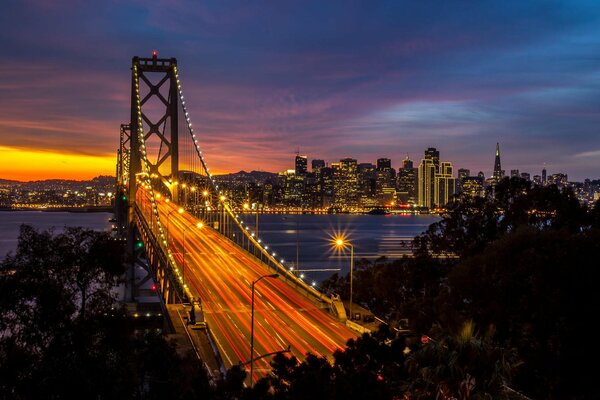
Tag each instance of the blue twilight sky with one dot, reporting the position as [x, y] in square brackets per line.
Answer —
[335, 79]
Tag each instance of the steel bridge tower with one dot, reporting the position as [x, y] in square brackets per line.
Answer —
[152, 133]
[159, 112]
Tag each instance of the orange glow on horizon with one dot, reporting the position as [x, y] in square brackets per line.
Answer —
[30, 165]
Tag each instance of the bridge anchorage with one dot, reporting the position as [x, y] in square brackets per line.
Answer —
[188, 233]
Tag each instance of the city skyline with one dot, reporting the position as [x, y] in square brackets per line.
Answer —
[334, 81]
[396, 164]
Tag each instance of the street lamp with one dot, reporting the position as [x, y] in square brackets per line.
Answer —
[198, 225]
[252, 325]
[341, 242]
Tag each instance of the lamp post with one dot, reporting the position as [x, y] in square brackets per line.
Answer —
[342, 243]
[252, 325]
[198, 225]
[205, 205]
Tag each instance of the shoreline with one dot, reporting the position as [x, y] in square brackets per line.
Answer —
[87, 209]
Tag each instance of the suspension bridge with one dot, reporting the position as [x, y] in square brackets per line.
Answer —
[195, 245]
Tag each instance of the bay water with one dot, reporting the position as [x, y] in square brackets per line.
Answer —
[303, 241]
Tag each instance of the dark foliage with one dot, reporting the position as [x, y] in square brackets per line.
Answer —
[63, 335]
[526, 268]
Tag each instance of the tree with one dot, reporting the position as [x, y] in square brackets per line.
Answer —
[461, 366]
[65, 336]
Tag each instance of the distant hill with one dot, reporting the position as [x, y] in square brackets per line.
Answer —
[99, 181]
[8, 182]
[258, 176]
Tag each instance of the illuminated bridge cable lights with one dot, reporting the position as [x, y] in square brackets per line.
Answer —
[148, 182]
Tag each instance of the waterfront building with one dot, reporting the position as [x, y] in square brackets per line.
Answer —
[427, 170]
[386, 182]
[346, 184]
[436, 185]
[326, 181]
[406, 192]
[367, 183]
[292, 188]
[445, 184]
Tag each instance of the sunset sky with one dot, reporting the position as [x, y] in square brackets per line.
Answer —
[332, 79]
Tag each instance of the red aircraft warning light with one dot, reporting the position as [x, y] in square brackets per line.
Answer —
[154, 53]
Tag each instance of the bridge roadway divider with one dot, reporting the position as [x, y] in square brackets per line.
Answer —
[188, 338]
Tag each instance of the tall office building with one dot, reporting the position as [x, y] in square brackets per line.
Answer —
[301, 165]
[386, 181]
[327, 183]
[544, 181]
[498, 173]
[346, 184]
[427, 170]
[367, 183]
[292, 186]
[384, 163]
[445, 184]
[436, 183]
[514, 173]
[432, 154]
[526, 176]
[407, 183]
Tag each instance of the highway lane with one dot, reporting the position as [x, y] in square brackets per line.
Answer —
[220, 274]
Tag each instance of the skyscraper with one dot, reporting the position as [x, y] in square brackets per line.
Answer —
[498, 173]
[432, 154]
[407, 183]
[384, 164]
[427, 170]
[444, 184]
[436, 183]
[301, 165]
[386, 181]
[367, 183]
[544, 176]
[346, 184]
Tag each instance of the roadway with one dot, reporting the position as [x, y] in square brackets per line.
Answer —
[220, 274]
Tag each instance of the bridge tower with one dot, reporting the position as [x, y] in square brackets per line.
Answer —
[159, 107]
[152, 138]
[122, 189]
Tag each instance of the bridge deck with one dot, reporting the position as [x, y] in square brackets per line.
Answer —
[220, 274]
